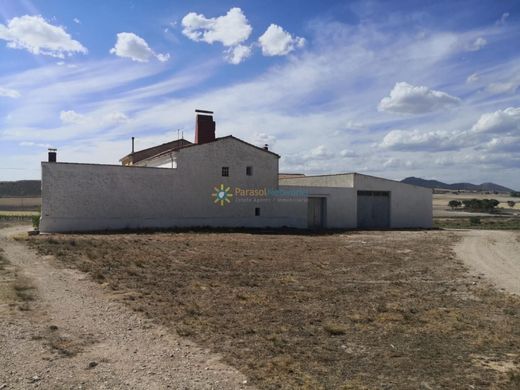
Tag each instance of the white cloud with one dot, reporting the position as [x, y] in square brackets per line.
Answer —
[320, 152]
[353, 125]
[505, 122]
[76, 20]
[230, 29]
[235, 55]
[262, 139]
[393, 162]
[477, 44]
[115, 118]
[36, 35]
[34, 144]
[8, 92]
[503, 19]
[502, 121]
[275, 41]
[109, 119]
[416, 140]
[348, 153]
[472, 78]
[72, 117]
[130, 45]
[506, 87]
[409, 99]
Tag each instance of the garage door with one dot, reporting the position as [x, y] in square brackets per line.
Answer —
[373, 209]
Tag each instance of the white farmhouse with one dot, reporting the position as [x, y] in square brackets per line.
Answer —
[219, 182]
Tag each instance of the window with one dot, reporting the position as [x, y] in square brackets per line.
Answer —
[249, 171]
[257, 211]
[225, 171]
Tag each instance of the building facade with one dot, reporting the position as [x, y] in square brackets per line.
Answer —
[220, 182]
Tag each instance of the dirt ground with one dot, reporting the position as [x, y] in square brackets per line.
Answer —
[372, 310]
[60, 330]
[493, 254]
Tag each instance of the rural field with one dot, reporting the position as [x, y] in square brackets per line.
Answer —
[20, 204]
[506, 217]
[356, 310]
[441, 208]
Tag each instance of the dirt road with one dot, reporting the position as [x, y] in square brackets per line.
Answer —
[493, 253]
[72, 335]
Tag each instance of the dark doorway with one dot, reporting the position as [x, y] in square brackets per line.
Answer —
[373, 209]
[316, 210]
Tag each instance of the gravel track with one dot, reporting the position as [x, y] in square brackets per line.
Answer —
[494, 254]
[74, 336]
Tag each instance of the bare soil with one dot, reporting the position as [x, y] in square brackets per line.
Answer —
[392, 310]
[493, 254]
[60, 330]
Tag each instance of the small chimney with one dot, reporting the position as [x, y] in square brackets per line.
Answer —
[266, 147]
[204, 127]
[133, 139]
[52, 155]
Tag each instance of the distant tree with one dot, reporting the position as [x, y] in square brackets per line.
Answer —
[480, 204]
[467, 203]
[493, 203]
[515, 194]
[454, 204]
[511, 203]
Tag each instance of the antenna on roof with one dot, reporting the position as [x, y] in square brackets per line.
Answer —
[204, 111]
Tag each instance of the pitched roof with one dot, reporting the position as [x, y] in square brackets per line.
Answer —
[236, 139]
[215, 140]
[155, 150]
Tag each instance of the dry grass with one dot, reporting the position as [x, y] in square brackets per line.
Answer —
[361, 310]
[485, 223]
[24, 289]
[15, 290]
[20, 204]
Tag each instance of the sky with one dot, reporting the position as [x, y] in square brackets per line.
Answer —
[391, 88]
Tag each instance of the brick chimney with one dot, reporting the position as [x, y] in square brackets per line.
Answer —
[204, 127]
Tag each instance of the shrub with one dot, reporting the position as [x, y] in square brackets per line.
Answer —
[511, 203]
[480, 204]
[474, 220]
[36, 222]
[454, 204]
[335, 329]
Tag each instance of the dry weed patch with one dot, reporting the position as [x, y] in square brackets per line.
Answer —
[361, 310]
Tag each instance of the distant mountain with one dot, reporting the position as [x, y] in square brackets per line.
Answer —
[20, 188]
[486, 187]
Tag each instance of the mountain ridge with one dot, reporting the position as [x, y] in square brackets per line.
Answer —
[487, 187]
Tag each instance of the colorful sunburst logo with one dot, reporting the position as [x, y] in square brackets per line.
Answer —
[222, 195]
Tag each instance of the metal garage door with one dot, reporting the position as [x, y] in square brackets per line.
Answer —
[316, 208]
[373, 209]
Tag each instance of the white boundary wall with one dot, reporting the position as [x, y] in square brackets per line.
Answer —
[89, 197]
[83, 197]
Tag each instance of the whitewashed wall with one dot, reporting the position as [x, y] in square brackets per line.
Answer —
[79, 197]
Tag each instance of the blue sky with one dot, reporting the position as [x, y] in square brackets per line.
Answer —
[396, 89]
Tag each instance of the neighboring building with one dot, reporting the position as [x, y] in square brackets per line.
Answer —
[140, 157]
[220, 182]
